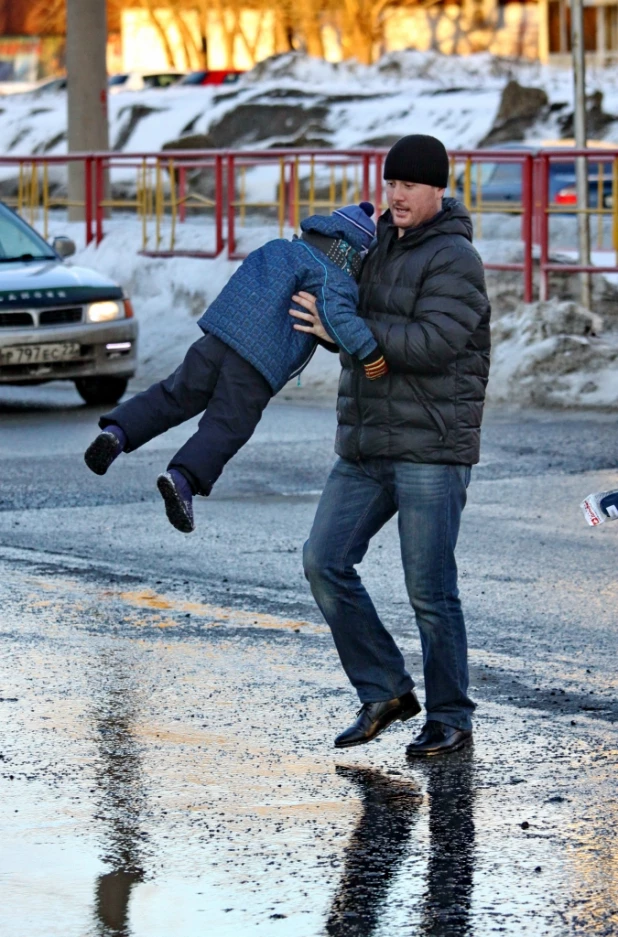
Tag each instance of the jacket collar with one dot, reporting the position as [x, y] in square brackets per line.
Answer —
[454, 218]
[337, 250]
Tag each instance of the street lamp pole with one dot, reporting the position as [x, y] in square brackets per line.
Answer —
[87, 90]
[581, 141]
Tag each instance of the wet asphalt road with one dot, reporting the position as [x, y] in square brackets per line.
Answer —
[168, 703]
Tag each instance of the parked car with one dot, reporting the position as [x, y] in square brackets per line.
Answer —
[60, 322]
[51, 85]
[225, 76]
[138, 81]
[502, 182]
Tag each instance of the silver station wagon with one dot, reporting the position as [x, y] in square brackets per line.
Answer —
[61, 322]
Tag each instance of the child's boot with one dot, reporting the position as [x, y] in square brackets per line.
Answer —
[178, 496]
[105, 449]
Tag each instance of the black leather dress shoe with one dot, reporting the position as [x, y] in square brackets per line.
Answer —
[436, 738]
[374, 718]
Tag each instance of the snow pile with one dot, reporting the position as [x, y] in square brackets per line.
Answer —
[553, 354]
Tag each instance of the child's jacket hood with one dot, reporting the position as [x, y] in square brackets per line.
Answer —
[335, 226]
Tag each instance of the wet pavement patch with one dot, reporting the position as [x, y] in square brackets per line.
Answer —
[164, 775]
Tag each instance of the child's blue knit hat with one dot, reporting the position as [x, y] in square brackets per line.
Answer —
[359, 217]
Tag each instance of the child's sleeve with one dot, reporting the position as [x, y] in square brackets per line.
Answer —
[337, 304]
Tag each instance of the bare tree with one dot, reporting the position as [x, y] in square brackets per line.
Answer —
[161, 31]
[45, 17]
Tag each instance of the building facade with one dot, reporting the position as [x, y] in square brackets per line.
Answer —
[228, 34]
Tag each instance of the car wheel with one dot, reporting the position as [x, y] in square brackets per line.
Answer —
[101, 390]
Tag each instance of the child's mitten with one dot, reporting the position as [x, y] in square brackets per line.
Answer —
[375, 365]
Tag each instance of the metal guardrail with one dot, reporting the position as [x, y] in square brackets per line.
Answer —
[173, 188]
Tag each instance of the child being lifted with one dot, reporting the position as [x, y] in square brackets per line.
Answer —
[248, 352]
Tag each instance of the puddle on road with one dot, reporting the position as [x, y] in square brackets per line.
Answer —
[155, 787]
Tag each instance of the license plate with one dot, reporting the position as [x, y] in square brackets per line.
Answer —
[40, 354]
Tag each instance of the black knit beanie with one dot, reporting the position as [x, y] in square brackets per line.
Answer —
[418, 158]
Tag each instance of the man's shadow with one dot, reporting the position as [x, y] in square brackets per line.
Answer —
[381, 843]
[120, 797]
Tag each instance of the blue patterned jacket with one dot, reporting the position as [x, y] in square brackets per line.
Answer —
[251, 314]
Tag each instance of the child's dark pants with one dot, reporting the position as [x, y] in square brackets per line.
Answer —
[213, 378]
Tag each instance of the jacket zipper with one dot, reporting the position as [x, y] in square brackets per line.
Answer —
[357, 396]
[302, 367]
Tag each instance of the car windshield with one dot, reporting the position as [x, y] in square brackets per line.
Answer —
[117, 80]
[18, 241]
[565, 172]
[195, 78]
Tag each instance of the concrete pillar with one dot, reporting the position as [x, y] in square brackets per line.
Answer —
[87, 88]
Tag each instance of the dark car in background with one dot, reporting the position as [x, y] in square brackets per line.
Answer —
[125, 81]
[139, 81]
[224, 76]
[60, 322]
[501, 182]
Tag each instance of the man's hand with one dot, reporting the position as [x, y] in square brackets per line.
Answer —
[311, 317]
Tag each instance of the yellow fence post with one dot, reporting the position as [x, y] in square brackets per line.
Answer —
[453, 177]
[479, 199]
[159, 202]
[600, 206]
[144, 206]
[173, 203]
[45, 201]
[467, 193]
[281, 195]
[296, 193]
[34, 193]
[243, 194]
[615, 207]
[312, 185]
[20, 190]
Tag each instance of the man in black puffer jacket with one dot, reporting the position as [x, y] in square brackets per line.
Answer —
[406, 446]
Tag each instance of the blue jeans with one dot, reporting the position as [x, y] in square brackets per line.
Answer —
[359, 498]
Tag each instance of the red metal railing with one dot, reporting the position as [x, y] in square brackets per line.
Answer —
[544, 160]
[178, 187]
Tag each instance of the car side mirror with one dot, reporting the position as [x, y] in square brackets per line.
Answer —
[64, 246]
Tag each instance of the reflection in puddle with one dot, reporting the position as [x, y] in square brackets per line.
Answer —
[382, 842]
[450, 868]
[112, 904]
[120, 794]
[375, 852]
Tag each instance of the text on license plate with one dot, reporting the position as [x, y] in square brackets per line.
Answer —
[40, 354]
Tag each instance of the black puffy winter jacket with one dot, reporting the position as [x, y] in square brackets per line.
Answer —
[425, 300]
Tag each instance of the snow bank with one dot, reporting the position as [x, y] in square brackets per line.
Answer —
[553, 354]
[454, 97]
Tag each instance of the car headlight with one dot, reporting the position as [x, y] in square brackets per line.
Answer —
[106, 311]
